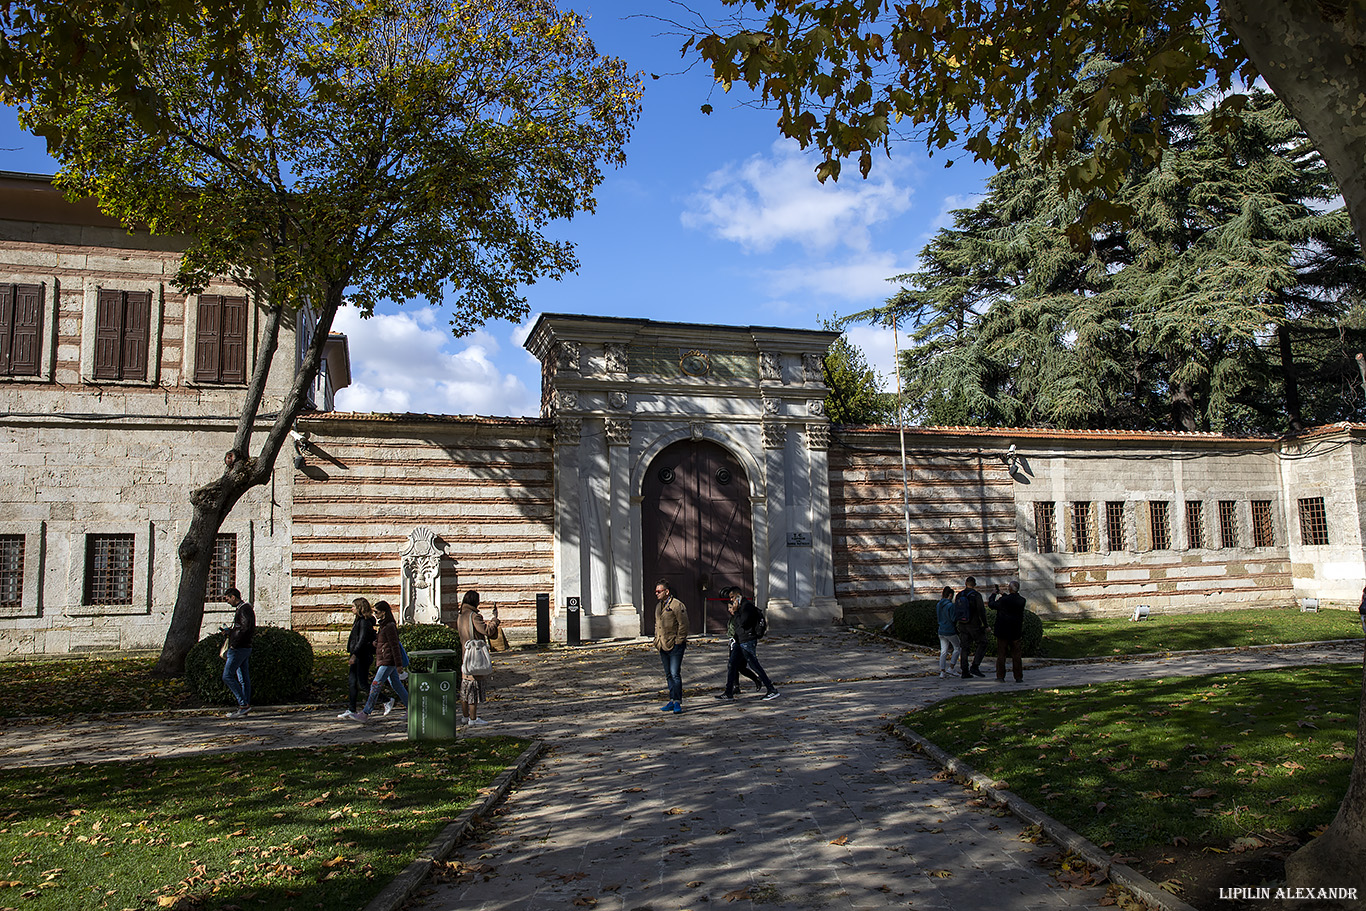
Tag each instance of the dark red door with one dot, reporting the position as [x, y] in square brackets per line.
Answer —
[695, 522]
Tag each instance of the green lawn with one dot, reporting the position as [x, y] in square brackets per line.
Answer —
[1181, 632]
[287, 830]
[1209, 759]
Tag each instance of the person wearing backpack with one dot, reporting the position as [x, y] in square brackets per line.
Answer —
[950, 646]
[970, 616]
[1010, 611]
[748, 627]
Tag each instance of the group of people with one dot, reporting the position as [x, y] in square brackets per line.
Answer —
[743, 630]
[373, 637]
[963, 630]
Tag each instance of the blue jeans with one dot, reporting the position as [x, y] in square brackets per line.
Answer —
[237, 676]
[385, 672]
[673, 670]
[745, 654]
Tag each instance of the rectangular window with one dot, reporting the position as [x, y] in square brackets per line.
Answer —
[21, 329]
[1228, 523]
[1313, 521]
[1083, 541]
[108, 569]
[223, 569]
[1159, 524]
[11, 570]
[1263, 528]
[1043, 526]
[1114, 524]
[122, 328]
[1195, 524]
[221, 340]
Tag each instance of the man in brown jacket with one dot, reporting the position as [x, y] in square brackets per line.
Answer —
[671, 638]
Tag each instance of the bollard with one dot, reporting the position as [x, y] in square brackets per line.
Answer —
[571, 626]
[543, 619]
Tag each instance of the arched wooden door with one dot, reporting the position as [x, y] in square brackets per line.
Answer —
[696, 530]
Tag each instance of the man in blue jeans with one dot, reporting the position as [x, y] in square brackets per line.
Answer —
[236, 673]
[745, 649]
[671, 638]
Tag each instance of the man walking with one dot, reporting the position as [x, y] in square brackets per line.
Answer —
[1010, 610]
[236, 673]
[970, 616]
[744, 649]
[671, 638]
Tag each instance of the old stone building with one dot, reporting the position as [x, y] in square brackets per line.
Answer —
[695, 453]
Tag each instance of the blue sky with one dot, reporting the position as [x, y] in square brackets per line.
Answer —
[714, 219]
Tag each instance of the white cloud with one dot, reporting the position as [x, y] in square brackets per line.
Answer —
[862, 280]
[409, 362]
[769, 199]
[876, 344]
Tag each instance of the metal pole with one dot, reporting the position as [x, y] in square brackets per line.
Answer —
[905, 486]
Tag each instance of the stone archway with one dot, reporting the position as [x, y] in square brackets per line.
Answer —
[696, 529]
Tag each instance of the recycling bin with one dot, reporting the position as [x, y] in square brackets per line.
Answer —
[433, 694]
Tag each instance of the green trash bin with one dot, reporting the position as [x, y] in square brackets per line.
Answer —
[433, 695]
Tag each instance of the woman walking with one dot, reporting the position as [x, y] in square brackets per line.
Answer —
[360, 650]
[471, 625]
[948, 631]
[390, 656]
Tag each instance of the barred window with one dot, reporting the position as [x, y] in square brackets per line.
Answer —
[1159, 524]
[1043, 526]
[1228, 523]
[11, 570]
[223, 568]
[1083, 541]
[1263, 528]
[1114, 524]
[108, 569]
[1195, 524]
[1313, 521]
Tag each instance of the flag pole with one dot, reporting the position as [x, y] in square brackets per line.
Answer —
[905, 485]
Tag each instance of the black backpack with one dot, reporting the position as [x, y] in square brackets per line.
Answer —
[761, 627]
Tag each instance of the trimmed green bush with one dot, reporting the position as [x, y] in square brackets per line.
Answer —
[281, 667]
[420, 637]
[917, 622]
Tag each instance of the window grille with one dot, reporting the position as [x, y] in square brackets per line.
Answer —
[1263, 527]
[1195, 524]
[1313, 521]
[108, 569]
[1043, 526]
[1160, 524]
[11, 570]
[1114, 524]
[223, 568]
[1083, 539]
[1228, 523]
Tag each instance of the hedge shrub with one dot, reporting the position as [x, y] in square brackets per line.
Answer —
[281, 667]
[918, 623]
[418, 637]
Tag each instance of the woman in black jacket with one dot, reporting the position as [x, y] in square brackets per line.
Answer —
[389, 653]
[360, 648]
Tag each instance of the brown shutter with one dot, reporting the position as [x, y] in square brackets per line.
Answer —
[206, 345]
[6, 326]
[234, 335]
[108, 335]
[27, 346]
[136, 333]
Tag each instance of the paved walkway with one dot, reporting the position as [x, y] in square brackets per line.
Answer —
[803, 802]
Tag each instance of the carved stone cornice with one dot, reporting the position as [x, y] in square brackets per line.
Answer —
[618, 431]
[567, 356]
[770, 366]
[614, 357]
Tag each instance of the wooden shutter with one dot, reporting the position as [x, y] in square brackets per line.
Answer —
[108, 335]
[207, 339]
[6, 326]
[136, 334]
[26, 347]
[234, 338]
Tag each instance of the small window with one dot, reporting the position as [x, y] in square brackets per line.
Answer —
[108, 569]
[11, 570]
[1043, 526]
[1114, 524]
[21, 330]
[1263, 528]
[1228, 523]
[1083, 539]
[220, 354]
[1195, 525]
[1159, 522]
[223, 569]
[1313, 521]
[122, 328]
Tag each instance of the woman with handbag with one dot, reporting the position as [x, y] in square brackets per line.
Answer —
[389, 653]
[477, 664]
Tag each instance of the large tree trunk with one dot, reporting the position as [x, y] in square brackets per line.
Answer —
[1311, 53]
[1290, 377]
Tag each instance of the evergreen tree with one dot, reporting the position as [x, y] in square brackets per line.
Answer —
[855, 396]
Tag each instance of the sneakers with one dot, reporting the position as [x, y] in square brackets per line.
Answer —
[669, 707]
[388, 706]
[966, 676]
[359, 717]
[242, 712]
[771, 694]
[678, 708]
[977, 673]
[346, 715]
[727, 696]
[943, 674]
[477, 721]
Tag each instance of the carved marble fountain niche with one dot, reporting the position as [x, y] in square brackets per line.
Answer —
[429, 591]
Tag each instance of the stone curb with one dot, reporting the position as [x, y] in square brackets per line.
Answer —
[1121, 874]
[405, 883]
